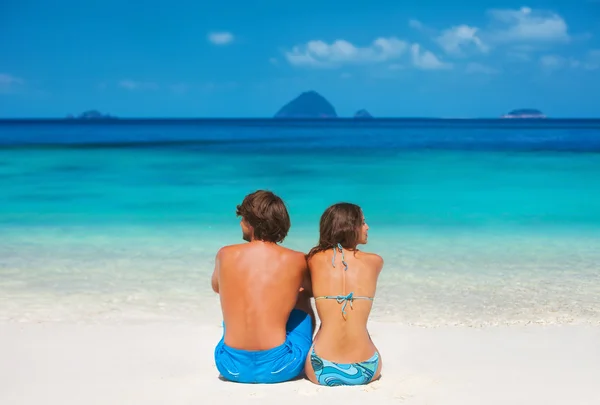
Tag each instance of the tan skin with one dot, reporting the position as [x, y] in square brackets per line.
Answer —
[344, 340]
[259, 284]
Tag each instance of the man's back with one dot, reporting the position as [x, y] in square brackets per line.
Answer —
[258, 285]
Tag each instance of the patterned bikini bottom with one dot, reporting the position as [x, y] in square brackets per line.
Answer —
[334, 374]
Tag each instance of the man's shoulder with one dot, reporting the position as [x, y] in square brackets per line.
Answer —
[293, 253]
[230, 249]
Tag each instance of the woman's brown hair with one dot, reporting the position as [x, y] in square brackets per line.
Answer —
[341, 224]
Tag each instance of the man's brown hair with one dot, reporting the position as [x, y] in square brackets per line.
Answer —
[267, 214]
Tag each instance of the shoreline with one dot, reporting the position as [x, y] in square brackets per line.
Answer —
[145, 307]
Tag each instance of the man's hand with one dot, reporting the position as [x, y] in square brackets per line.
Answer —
[306, 286]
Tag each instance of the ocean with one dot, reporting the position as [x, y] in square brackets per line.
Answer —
[480, 222]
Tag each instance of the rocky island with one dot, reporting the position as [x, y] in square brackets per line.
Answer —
[362, 114]
[525, 113]
[309, 104]
[91, 115]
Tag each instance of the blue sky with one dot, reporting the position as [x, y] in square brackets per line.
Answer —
[247, 58]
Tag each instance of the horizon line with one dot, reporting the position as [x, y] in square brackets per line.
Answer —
[287, 119]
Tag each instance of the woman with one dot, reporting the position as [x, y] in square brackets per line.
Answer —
[344, 281]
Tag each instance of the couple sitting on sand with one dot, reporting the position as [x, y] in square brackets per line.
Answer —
[265, 291]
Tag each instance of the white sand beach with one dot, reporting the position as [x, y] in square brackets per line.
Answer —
[172, 363]
[93, 324]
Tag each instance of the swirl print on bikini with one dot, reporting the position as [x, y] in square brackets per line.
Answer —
[334, 374]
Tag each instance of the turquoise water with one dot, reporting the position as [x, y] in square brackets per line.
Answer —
[478, 222]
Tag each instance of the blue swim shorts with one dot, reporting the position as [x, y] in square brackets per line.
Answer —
[279, 364]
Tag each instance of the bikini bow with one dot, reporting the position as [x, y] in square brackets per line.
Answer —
[345, 299]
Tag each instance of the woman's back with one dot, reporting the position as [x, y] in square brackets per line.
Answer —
[343, 281]
[344, 296]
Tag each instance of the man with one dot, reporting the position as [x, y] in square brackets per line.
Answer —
[264, 291]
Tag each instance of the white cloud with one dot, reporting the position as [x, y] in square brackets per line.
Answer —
[521, 33]
[455, 39]
[525, 24]
[525, 30]
[416, 24]
[479, 68]
[591, 61]
[552, 62]
[422, 28]
[9, 83]
[220, 38]
[426, 60]
[129, 84]
[9, 80]
[318, 53]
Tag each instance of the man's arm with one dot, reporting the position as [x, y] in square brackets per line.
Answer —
[306, 282]
[215, 275]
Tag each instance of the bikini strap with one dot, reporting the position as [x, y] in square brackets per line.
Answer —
[339, 247]
[342, 298]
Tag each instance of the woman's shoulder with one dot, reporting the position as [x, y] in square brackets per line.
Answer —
[318, 256]
[371, 258]
[322, 257]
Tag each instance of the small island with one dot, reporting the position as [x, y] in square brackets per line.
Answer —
[362, 114]
[525, 113]
[91, 115]
[309, 104]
